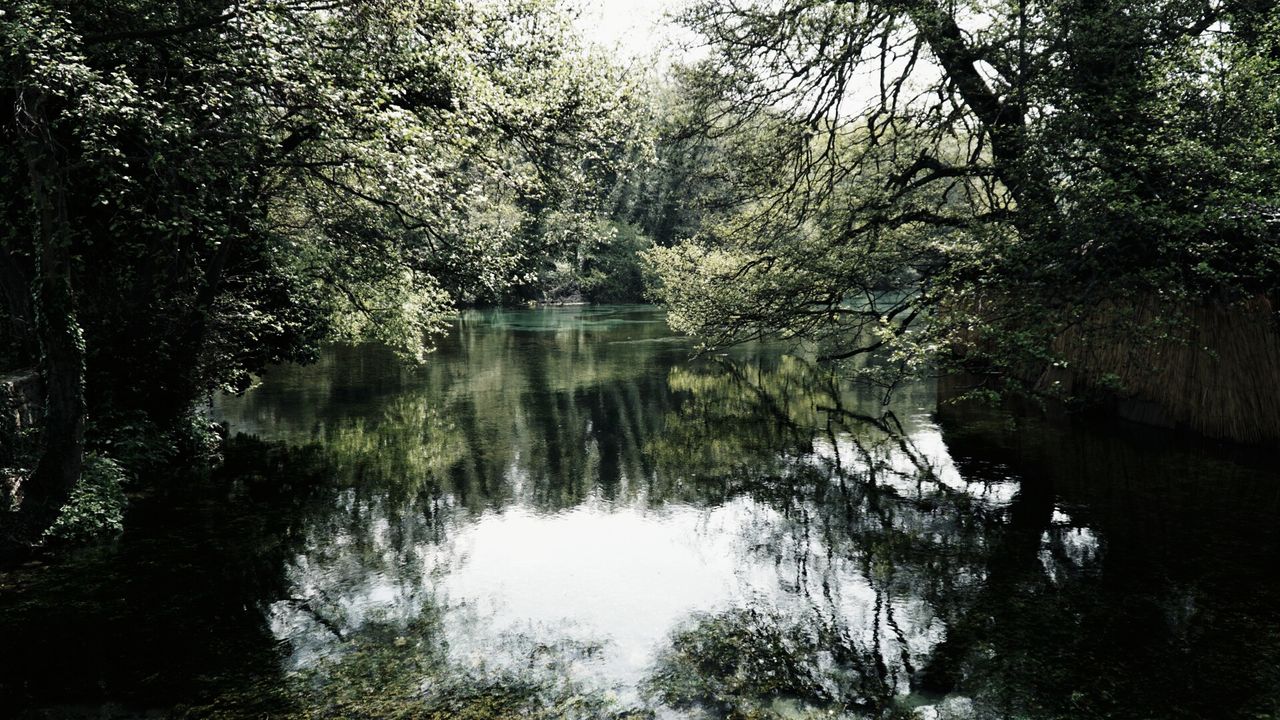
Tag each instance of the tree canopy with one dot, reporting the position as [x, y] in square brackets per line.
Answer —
[960, 183]
[194, 190]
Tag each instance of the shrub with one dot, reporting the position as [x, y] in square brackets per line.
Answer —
[96, 506]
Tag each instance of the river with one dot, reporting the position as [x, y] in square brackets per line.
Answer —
[565, 513]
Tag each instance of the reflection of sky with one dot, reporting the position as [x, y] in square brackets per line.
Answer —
[623, 576]
[914, 466]
[623, 570]
[1066, 548]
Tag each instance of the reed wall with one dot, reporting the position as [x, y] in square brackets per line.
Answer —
[1212, 369]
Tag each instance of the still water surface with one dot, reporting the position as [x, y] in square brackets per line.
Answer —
[563, 512]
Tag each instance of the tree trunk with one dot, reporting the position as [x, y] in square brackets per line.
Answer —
[1004, 121]
[62, 360]
[16, 289]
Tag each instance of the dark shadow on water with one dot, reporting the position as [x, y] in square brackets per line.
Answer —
[170, 614]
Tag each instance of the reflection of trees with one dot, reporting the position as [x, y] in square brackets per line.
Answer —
[540, 416]
[1032, 611]
[1154, 594]
[1025, 576]
[861, 508]
[557, 408]
[868, 540]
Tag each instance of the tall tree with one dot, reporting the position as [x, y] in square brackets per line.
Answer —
[959, 183]
[210, 186]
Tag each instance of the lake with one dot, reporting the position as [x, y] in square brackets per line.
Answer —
[566, 513]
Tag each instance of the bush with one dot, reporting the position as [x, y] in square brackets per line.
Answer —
[96, 506]
[145, 449]
[612, 272]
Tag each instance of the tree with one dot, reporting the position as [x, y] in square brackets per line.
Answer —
[956, 185]
[195, 190]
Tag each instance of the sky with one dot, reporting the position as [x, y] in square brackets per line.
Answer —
[635, 28]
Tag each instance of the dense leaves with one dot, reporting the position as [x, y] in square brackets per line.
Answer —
[961, 184]
[96, 506]
[220, 186]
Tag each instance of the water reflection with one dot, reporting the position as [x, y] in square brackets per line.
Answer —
[732, 535]
[612, 506]
[563, 515]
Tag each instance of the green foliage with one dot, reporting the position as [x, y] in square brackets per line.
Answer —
[1015, 168]
[612, 274]
[236, 183]
[96, 507]
[668, 190]
[660, 183]
[604, 267]
[148, 449]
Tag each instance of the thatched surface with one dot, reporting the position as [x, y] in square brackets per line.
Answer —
[1213, 369]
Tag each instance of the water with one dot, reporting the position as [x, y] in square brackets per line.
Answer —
[565, 514]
